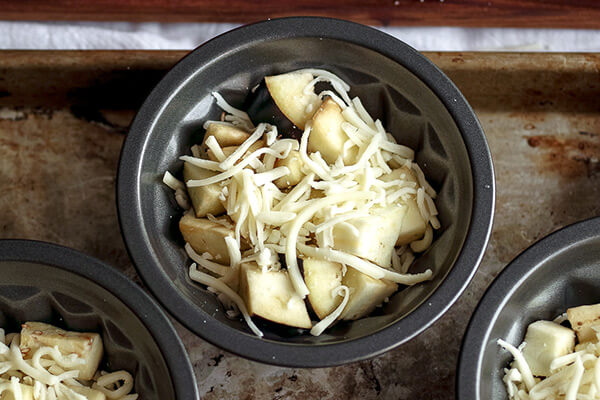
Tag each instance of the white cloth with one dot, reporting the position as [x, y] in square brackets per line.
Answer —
[125, 35]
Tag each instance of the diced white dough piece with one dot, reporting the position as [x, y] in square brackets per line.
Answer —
[583, 319]
[545, 341]
[270, 295]
[287, 91]
[321, 278]
[86, 345]
[205, 199]
[327, 136]
[366, 293]
[206, 236]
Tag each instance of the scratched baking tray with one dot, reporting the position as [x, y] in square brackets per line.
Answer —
[63, 117]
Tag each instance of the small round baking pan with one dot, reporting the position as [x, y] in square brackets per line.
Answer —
[414, 100]
[558, 272]
[54, 284]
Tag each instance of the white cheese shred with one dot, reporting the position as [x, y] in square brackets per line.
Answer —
[206, 263]
[332, 196]
[208, 280]
[243, 148]
[572, 376]
[421, 245]
[233, 248]
[521, 364]
[560, 318]
[202, 163]
[303, 217]
[326, 322]
[122, 380]
[213, 145]
[241, 117]
[172, 182]
[575, 380]
[366, 267]
[49, 374]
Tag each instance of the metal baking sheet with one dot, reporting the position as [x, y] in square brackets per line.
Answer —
[64, 115]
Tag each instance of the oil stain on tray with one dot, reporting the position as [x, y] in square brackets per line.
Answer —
[569, 156]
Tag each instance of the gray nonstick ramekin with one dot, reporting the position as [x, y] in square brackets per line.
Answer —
[415, 101]
[54, 284]
[560, 271]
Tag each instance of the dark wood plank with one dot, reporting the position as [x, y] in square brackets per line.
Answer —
[84, 79]
[122, 79]
[472, 13]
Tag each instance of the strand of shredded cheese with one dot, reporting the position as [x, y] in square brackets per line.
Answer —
[226, 290]
[172, 182]
[522, 365]
[303, 217]
[205, 263]
[213, 145]
[49, 378]
[241, 117]
[231, 171]
[326, 322]
[421, 245]
[575, 380]
[327, 196]
[113, 379]
[366, 267]
[243, 148]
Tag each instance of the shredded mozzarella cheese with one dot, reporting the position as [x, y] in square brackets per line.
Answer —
[205, 262]
[366, 267]
[113, 379]
[303, 217]
[326, 322]
[208, 280]
[172, 182]
[522, 365]
[288, 221]
[50, 374]
[573, 376]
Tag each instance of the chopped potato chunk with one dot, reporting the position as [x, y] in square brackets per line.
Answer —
[583, 319]
[294, 164]
[287, 91]
[366, 293]
[322, 277]
[206, 236]
[327, 136]
[270, 295]
[413, 225]
[205, 199]
[225, 135]
[545, 341]
[371, 237]
[88, 346]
